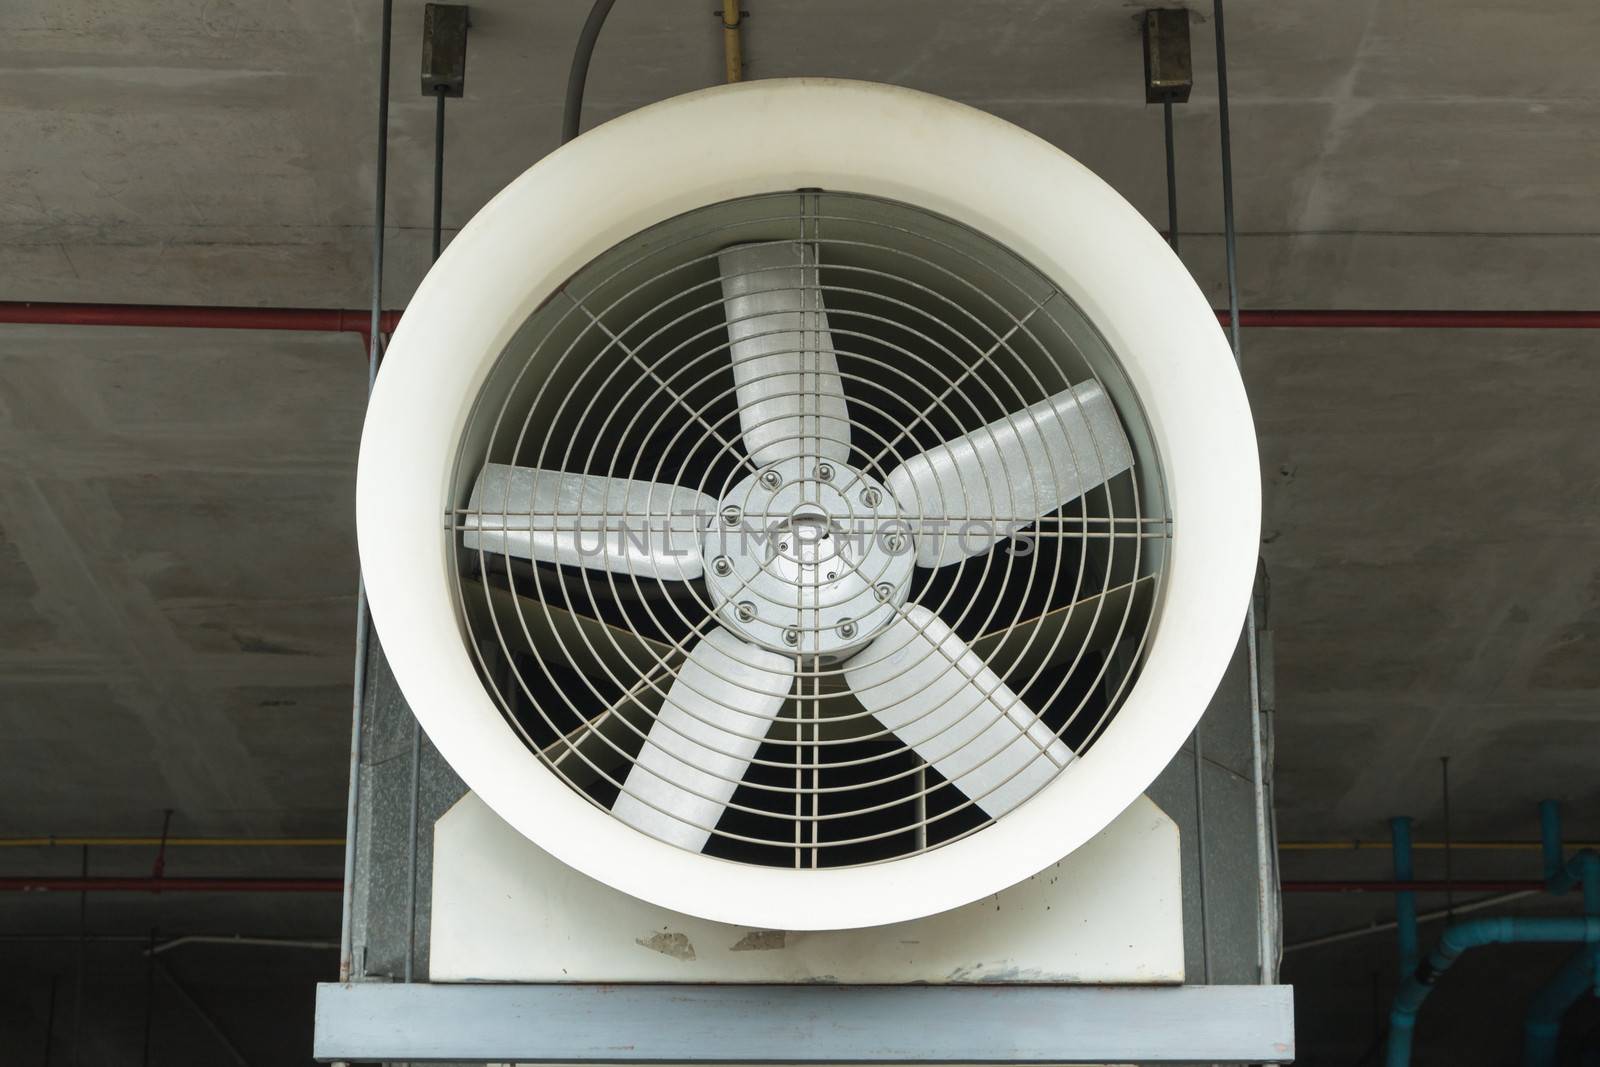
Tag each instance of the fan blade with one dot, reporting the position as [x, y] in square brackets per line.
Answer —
[616, 524]
[791, 399]
[966, 495]
[920, 680]
[1058, 637]
[715, 716]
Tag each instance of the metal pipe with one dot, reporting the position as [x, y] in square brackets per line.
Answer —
[336, 320]
[1172, 176]
[1425, 917]
[732, 42]
[1265, 898]
[1384, 846]
[1458, 939]
[53, 884]
[1410, 319]
[63, 840]
[1541, 1027]
[572, 109]
[195, 317]
[1550, 839]
[1405, 902]
[250, 942]
[54, 841]
[358, 696]
[1414, 886]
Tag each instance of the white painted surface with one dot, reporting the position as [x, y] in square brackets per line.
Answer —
[504, 910]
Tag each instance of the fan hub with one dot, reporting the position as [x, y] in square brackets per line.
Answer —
[808, 558]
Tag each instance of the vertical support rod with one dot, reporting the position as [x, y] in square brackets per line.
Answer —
[1196, 742]
[1172, 176]
[1405, 901]
[1267, 960]
[416, 727]
[732, 44]
[374, 344]
[438, 168]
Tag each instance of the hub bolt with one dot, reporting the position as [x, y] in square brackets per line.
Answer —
[847, 629]
[771, 479]
[746, 611]
[883, 591]
[731, 515]
[824, 472]
[791, 636]
[722, 565]
[871, 497]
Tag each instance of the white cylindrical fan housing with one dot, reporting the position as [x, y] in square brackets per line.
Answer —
[765, 137]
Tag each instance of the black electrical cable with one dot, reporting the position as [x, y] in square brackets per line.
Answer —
[572, 112]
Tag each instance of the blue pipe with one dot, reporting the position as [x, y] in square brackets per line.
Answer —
[1542, 1025]
[1405, 901]
[1458, 939]
[1550, 841]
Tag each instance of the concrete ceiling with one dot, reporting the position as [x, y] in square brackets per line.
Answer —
[176, 541]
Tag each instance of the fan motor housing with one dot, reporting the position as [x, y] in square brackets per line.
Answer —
[759, 139]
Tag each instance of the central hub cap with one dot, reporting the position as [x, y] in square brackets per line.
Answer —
[808, 557]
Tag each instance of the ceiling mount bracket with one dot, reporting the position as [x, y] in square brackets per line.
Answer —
[444, 49]
[1168, 67]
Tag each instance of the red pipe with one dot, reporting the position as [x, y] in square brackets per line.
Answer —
[334, 320]
[315, 320]
[171, 885]
[1416, 887]
[1346, 318]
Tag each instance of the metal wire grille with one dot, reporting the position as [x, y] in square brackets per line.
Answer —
[718, 539]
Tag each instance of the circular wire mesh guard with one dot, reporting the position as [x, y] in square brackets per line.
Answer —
[809, 530]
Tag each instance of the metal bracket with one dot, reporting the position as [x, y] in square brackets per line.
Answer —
[1168, 67]
[444, 49]
[805, 1024]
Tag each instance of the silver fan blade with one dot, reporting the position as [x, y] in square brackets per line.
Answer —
[966, 495]
[791, 399]
[716, 714]
[920, 680]
[616, 524]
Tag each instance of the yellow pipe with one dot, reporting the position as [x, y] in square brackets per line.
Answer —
[732, 46]
[173, 842]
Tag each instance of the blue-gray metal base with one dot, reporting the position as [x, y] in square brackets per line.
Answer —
[811, 1024]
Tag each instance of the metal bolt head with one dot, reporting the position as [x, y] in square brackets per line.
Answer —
[746, 611]
[722, 565]
[871, 497]
[731, 515]
[847, 629]
[791, 636]
[883, 591]
[771, 479]
[824, 472]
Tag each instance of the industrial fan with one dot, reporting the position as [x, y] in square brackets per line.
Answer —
[808, 504]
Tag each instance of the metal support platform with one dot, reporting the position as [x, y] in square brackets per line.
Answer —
[808, 1024]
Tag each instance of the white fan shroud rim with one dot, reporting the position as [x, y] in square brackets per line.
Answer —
[771, 136]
